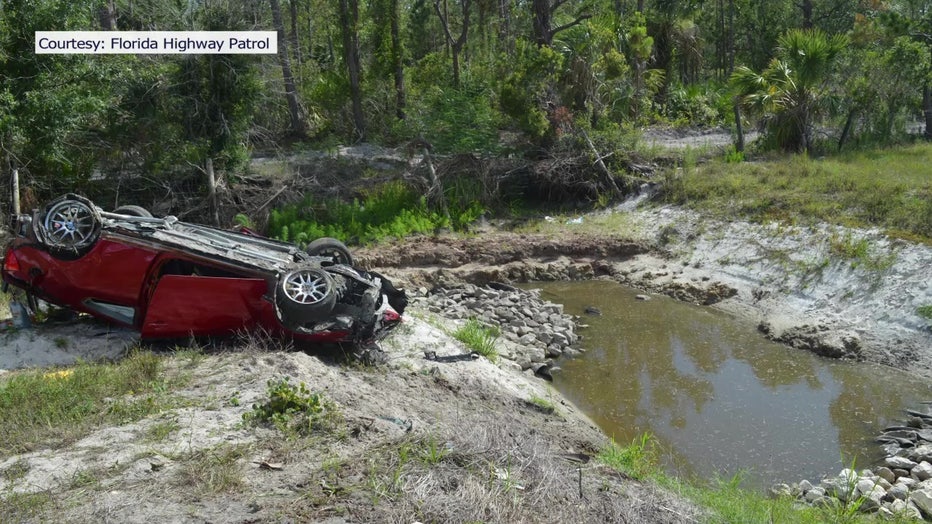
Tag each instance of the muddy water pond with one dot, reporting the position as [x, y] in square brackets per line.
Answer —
[718, 397]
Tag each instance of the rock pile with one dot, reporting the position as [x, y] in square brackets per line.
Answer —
[900, 486]
[534, 330]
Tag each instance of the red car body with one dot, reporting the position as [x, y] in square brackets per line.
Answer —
[169, 279]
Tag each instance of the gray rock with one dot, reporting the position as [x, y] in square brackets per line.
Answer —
[780, 490]
[553, 351]
[922, 452]
[922, 471]
[814, 494]
[886, 474]
[922, 499]
[870, 492]
[527, 339]
[904, 509]
[523, 362]
[560, 339]
[898, 492]
[642, 297]
[536, 354]
[899, 463]
[901, 473]
[509, 365]
[906, 481]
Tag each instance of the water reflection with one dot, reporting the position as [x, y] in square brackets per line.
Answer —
[720, 397]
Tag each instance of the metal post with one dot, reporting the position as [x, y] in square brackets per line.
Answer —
[15, 191]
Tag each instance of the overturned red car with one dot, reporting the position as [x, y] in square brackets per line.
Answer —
[170, 279]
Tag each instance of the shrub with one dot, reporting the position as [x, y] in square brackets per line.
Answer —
[292, 408]
[393, 210]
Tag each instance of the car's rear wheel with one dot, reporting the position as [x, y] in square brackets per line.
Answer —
[306, 294]
[133, 211]
[330, 247]
[72, 225]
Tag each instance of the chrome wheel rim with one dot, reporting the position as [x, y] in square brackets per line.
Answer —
[306, 287]
[70, 223]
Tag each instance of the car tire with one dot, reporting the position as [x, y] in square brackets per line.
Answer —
[305, 295]
[70, 226]
[133, 211]
[330, 247]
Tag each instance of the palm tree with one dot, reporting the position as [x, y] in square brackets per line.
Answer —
[792, 91]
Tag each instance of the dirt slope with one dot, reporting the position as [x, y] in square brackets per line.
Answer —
[412, 440]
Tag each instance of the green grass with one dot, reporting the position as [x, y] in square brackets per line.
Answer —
[725, 499]
[638, 459]
[479, 338]
[44, 408]
[888, 188]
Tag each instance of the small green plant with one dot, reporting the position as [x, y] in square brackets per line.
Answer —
[161, 430]
[242, 220]
[292, 408]
[733, 156]
[638, 459]
[432, 451]
[479, 338]
[542, 404]
[925, 311]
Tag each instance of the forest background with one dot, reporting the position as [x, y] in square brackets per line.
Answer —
[491, 78]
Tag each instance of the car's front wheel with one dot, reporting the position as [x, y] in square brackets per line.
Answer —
[305, 295]
[330, 247]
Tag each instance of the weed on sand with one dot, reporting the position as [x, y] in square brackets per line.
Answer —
[889, 189]
[49, 408]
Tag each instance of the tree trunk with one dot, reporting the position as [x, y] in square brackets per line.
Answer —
[504, 25]
[739, 128]
[293, 36]
[927, 109]
[213, 210]
[542, 35]
[397, 62]
[298, 126]
[806, 7]
[455, 46]
[349, 18]
[846, 131]
[107, 15]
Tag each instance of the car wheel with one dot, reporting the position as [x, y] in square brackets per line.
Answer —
[306, 294]
[330, 247]
[71, 225]
[133, 211]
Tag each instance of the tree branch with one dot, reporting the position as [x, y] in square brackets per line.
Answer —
[579, 20]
